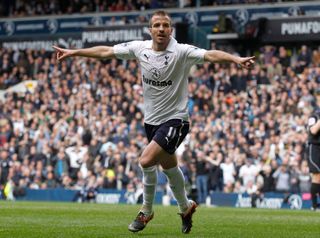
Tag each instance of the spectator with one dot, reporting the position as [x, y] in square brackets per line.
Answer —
[282, 179]
[248, 172]
[60, 164]
[228, 171]
[284, 58]
[76, 154]
[201, 176]
[304, 58]
[304, 178]
[268, 180]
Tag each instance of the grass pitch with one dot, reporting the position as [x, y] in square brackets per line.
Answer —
[64, 220]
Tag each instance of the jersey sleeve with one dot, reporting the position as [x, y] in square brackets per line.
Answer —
[194, 55]
[312, 121]
[126, 50]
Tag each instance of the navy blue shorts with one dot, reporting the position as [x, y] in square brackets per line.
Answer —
[168, 135]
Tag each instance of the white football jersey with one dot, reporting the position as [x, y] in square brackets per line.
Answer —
[164, 77]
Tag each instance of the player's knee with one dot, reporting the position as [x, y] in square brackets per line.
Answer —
[145, 162]
[316, 178]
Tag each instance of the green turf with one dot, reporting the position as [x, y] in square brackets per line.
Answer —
[59, 220]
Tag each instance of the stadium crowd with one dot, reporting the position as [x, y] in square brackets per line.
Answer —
[82, 127]
[23, 8]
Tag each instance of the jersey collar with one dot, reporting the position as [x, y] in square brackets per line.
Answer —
[171, 46]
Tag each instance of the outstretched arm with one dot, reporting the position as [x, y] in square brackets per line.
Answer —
[214, 56]
[101, 52]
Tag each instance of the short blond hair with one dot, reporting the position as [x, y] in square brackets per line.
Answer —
[159, 13]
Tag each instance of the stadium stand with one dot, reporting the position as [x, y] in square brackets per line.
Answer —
[52, 134]
[22, 8]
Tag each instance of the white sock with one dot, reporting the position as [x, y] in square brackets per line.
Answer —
[149, 188]
[176, 183]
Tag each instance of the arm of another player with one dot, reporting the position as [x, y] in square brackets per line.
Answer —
[215, 56]
[100, 52]
[314, 128]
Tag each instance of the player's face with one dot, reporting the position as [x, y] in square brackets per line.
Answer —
[161, 29]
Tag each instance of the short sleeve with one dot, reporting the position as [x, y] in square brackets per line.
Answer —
[312, 121]
[126, 50]
[194, 54]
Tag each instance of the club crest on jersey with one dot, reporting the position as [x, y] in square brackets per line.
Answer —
[155, 73]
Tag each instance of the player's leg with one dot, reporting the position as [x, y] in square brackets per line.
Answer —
[177, 185]
[164, 140]
[175, 179]
[148, 162]
[315, 190]
[152, 155]
[168, 137]
[314, 167]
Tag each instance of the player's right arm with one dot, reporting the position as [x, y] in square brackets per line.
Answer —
[314, 125]
[100, 52]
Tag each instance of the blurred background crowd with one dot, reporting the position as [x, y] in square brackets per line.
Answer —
[22, 8]
[83, 125]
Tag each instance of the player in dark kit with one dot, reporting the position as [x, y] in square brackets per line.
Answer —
[314, 156]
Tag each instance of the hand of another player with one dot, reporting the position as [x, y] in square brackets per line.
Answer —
[246, 62]
[62, 53]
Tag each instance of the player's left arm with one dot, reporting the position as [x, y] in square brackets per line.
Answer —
[215, 56]
[314, 125]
